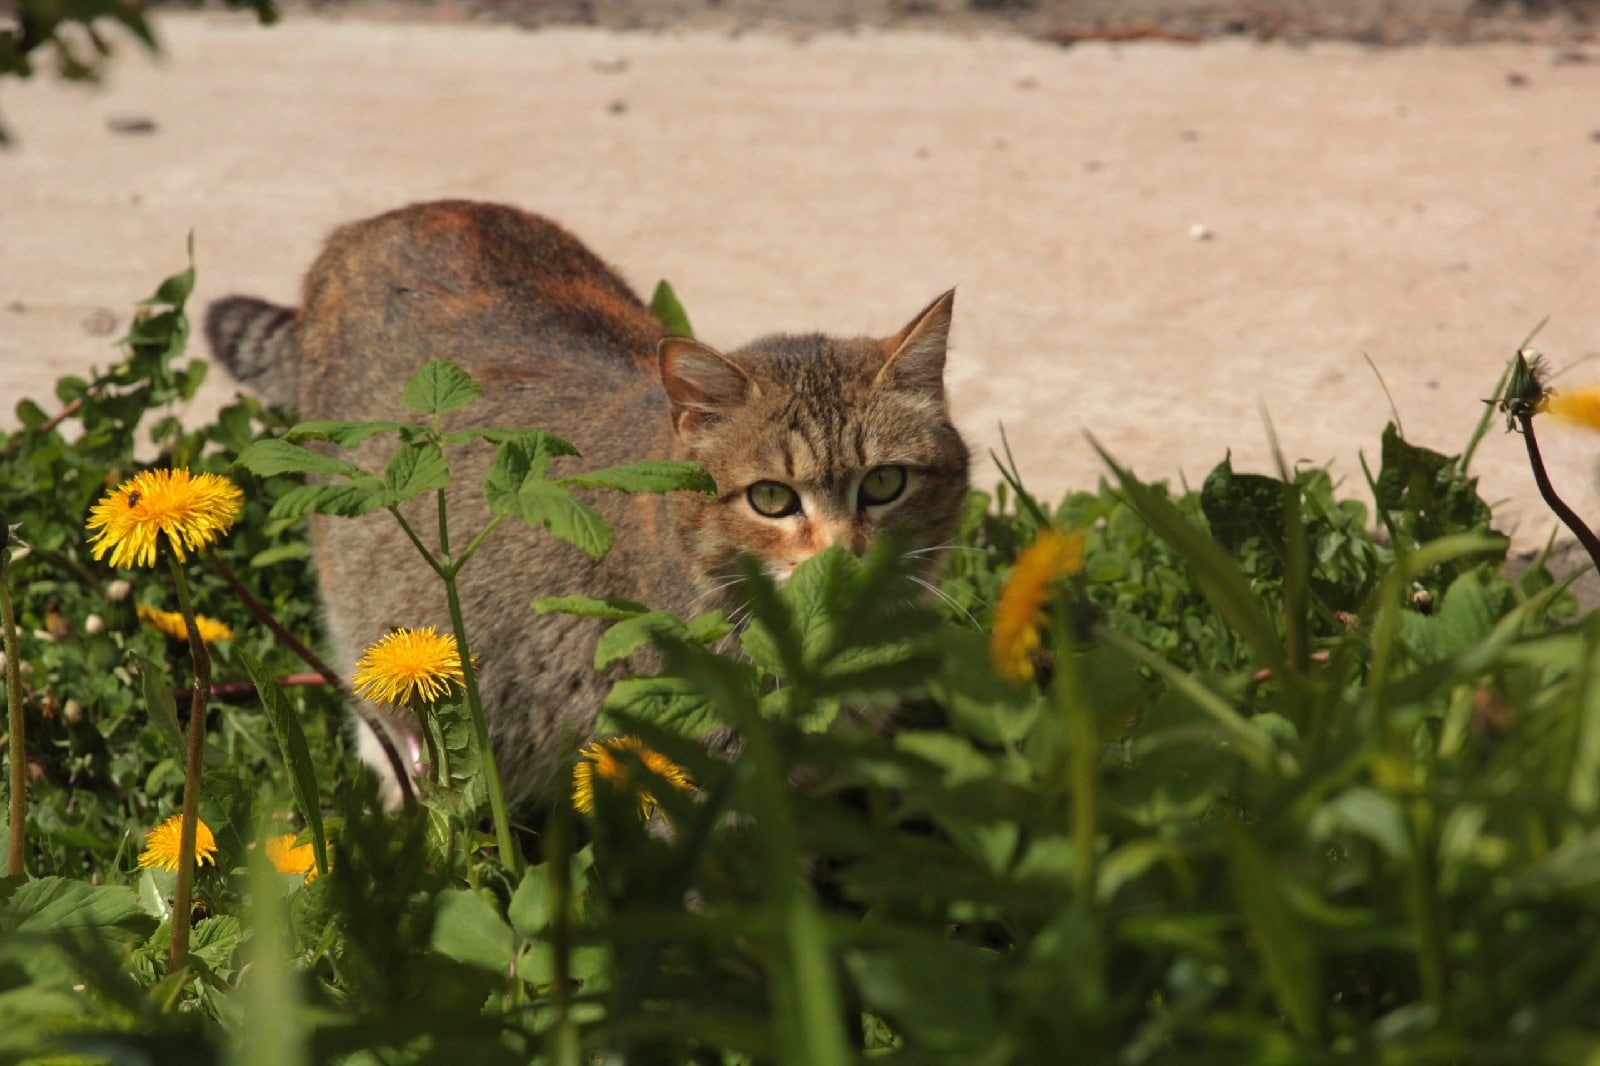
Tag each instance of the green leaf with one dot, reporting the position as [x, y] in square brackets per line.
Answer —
[516, 485]
[163, 708]
[676, 704]
[590, 607]
[290, 551]
[467, 928]
[941, 995]
[295, 752]
[1240, 508]
[628, 635]
[669, 312]
[344, 434]
[30, 414]
[416, 468]
[60, 905]
[648, 476]
[277, 456]
[1288, 958]
[529, 910]
[216, 939]
[359, 496]
[1214, 571]
[440, 386]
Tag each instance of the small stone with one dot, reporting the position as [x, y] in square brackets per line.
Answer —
[131, 124]
[99, 322]
[94, 625]
[118, 590]
[1199, 231]
[1516, 80]
[72, 711]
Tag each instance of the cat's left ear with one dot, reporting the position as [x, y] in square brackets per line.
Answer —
[914, 357]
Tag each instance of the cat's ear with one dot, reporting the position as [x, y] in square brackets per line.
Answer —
[914, 357]
[702, 383]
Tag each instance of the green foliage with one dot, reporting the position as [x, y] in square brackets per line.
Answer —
[1282, 790]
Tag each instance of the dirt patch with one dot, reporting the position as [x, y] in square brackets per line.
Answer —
[1064, 22]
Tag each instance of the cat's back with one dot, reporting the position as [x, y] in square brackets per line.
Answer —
[509, 296]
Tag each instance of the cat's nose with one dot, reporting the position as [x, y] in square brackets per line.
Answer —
[844, 534]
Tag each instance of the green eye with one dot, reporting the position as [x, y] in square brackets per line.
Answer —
[773, 499]
[883, 484]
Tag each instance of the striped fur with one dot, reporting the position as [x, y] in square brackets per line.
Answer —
[255, 340]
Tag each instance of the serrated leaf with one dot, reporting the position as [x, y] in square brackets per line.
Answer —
[62, 905]
[536, 441]
[630, 634]
[440, 386]
[416, 468]
[649, 476]
[541, 503]
[669, 312]
[589, 607]
[467, 928]
[344, 434]
[350, 499]
[295, 752]
[216, 939]
[675, 704]
[277, 456]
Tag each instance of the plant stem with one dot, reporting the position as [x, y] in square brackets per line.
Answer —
[509, 855]
[1585, 535]
[268, 619]
[397, 765]
[18, 750]
[183, 904]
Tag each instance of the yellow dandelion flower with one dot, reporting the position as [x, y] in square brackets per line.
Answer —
[171, 623]
[1020, 613]
[192, 510]
[161, 844]
[598, 758]
[407, 663]
[291, 859]
[1579, 408]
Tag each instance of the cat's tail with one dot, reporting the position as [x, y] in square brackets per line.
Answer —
[255, 341]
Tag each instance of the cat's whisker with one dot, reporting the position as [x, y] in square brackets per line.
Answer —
[947, 598]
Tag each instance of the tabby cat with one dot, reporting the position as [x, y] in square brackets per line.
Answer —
[812, 441]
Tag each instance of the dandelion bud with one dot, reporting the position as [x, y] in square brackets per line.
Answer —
[94, 625]
[72, 711]
[118, 590]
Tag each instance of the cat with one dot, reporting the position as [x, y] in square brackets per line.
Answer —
[812, 441]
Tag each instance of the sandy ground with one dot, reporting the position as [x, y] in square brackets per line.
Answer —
[1152, 241]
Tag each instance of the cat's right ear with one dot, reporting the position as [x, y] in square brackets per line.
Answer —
[702, 383]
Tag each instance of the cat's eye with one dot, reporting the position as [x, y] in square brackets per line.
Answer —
[883, 484]
[773, 499]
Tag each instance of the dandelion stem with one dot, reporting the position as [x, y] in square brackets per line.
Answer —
[18, 750]
[183, 904]
[1580, 529]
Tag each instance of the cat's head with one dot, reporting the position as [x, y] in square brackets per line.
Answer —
[815, 441]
